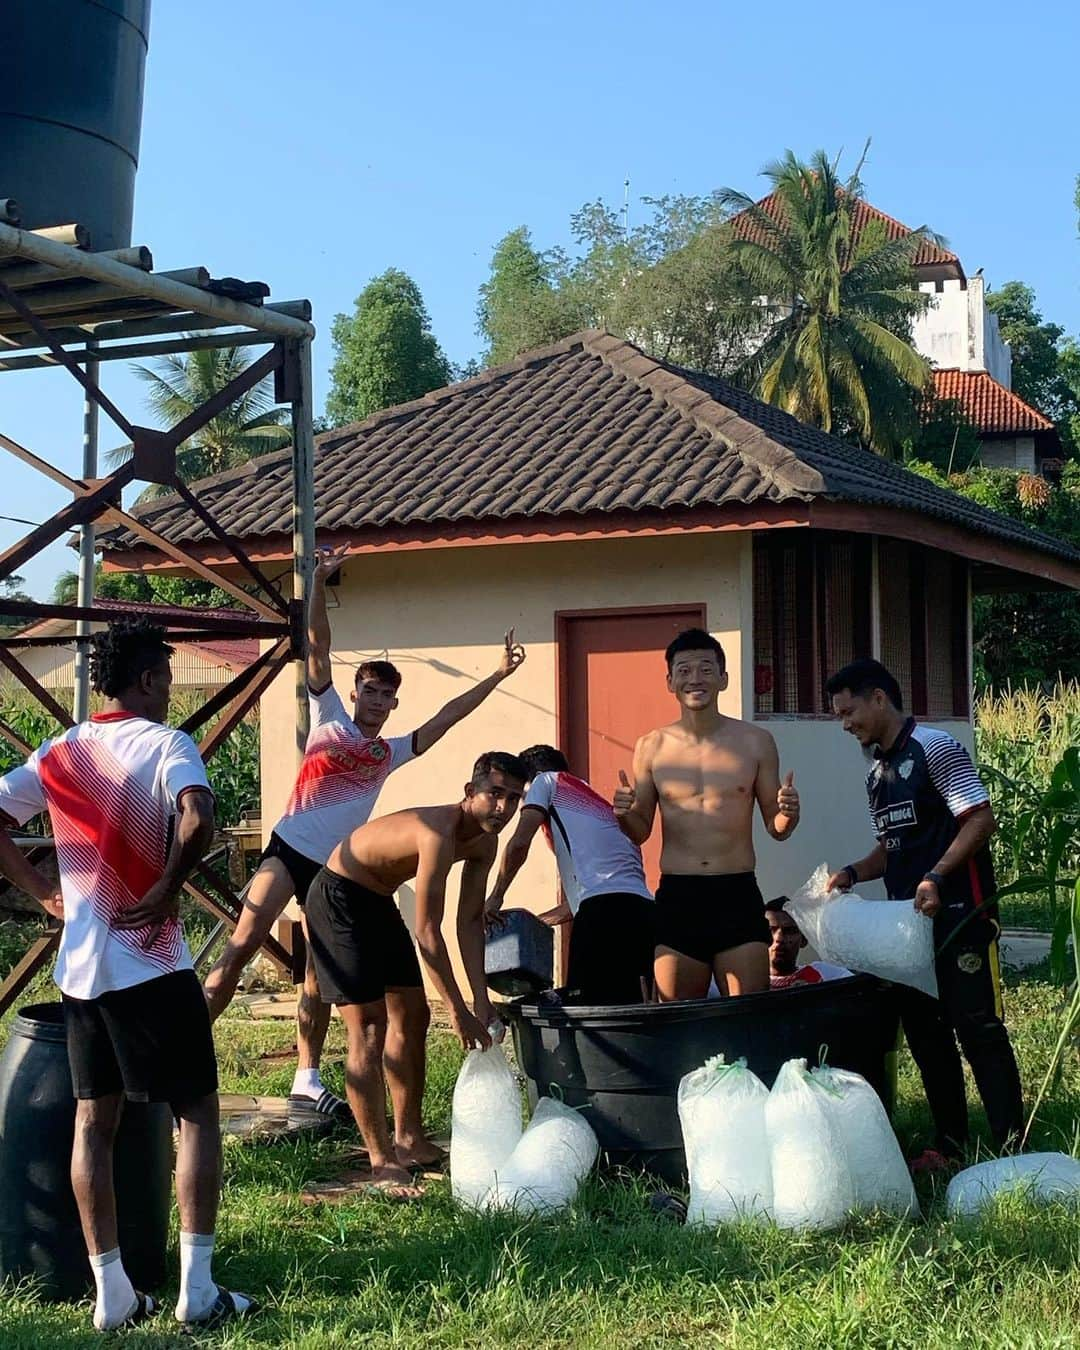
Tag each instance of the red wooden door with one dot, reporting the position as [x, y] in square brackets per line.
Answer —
[612, 689]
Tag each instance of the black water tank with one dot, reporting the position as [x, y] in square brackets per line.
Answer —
[622, 1065]
[39, 1223]
[71, 93]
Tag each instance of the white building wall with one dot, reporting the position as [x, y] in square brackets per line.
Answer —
[958, 332]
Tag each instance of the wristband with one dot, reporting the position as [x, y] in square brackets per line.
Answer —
[936, 878]
[852, 874]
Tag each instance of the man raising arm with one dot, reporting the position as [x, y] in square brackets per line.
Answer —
[346, 762]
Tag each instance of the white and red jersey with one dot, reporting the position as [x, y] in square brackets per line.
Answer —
[111, 787]
[814, 972]
[340, 778]
[593, 854]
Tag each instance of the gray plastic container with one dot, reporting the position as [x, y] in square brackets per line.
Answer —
[519, 958]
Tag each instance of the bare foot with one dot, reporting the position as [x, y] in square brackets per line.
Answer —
[394, 1183]
[420, 1153]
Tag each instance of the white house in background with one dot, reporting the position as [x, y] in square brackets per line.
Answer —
[195, 665]
[959, 335]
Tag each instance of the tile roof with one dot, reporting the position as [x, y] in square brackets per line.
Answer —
[586, 427]
[929, 254]
[988, 405]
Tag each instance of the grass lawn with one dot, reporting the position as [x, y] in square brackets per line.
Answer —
[608, 1273]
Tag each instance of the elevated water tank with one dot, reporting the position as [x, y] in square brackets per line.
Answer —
[71, 93]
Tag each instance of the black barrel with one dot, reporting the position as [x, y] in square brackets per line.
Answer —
[622, 1065]
[39, 1223]
[71, 95]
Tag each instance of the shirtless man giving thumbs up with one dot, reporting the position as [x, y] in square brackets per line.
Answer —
[705, 772]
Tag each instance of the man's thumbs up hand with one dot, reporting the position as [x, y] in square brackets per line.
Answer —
[787, 799]
[624, 797]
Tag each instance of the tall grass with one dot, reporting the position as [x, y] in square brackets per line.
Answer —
[1020, 735]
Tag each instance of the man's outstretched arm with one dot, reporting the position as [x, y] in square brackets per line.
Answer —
[513, 860]
[318, 635]
[452, 713]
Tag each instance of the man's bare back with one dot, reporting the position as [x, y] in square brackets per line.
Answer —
[385, 853]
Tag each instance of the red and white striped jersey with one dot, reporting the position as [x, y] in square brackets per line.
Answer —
[111, 786]
[593, 854]
[341, 776]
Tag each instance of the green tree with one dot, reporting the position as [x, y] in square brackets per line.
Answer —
[138, 586]
[519, 307]
[11, 588]
[945, 438]
[181, 383]
[1044, 367]
[384, 352]
[835, 348]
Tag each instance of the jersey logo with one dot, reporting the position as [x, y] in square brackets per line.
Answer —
[969, 962]
[904, 769]
[895, 817]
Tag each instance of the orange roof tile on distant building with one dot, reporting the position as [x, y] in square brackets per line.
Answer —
[989, 406]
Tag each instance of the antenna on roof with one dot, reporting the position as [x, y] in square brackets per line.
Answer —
[626, 208]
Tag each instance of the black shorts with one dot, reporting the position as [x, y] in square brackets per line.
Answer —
[359, 941]
[152, 1042]
[702, 916]
[301, 869]
[612, 944]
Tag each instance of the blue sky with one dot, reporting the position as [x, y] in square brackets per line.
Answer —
[314, 145]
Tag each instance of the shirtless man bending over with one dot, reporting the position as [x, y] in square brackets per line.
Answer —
[366, 962]
[705, 772]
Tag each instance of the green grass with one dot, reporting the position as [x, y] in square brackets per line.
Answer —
[608, 1274]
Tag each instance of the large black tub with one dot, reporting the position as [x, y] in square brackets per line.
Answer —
[622, 1065]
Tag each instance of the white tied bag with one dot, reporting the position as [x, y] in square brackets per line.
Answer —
[879, 1174]
[485, 1124]
[887, 938]
[722, 1113]
[1048, 1178]
[552, 1158]
[811, 1175]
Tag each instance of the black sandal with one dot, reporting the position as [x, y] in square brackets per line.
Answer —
[144, 1308]
[223, 1309]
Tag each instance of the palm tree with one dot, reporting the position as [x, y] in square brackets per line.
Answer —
[179, 384]
[834, 327]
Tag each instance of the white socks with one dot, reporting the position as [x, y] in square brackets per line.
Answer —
[198, 1292]
[307, 1083]
[116, 1298]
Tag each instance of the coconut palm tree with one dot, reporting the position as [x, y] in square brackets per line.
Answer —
[180, 383]
[833, 344]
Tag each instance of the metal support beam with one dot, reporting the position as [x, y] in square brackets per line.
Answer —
[21, 975]
[80, 704]
[138, 351]
[297, 370]
[33, 248]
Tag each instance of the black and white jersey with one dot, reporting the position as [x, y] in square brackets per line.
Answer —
[920, 789]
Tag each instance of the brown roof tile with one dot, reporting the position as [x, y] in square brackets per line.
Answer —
[587, 426]
[929, 254]
[988, 405]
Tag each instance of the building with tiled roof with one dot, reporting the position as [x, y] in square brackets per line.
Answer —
[1012, 434]
[598, 501]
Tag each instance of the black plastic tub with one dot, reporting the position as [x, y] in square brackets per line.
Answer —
[622, 1065]
[40, 1234]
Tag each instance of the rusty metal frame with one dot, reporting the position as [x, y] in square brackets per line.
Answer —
[272, 617]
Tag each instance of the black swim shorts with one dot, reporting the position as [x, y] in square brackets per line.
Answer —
[151, 1042]
[359, 941]
[301, 869]
[702, 916]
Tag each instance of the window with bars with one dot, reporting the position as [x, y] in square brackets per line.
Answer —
[812, 614]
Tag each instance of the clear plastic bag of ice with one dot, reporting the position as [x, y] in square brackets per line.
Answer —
[879, 1174]
[811, 1175]
[552, 1158]
[722, 1113]
[1050, 1178]
[887, 938]
[485, 1123]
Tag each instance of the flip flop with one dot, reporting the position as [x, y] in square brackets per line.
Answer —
[144, 1308]
[223, 1309]
[384, 1190]
[436, 1164]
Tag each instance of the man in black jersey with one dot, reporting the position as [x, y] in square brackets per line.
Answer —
[933, 820]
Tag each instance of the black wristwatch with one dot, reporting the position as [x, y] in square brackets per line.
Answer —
[936, 878]
[853, 876]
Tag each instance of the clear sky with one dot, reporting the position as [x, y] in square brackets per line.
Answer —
[313, 145]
